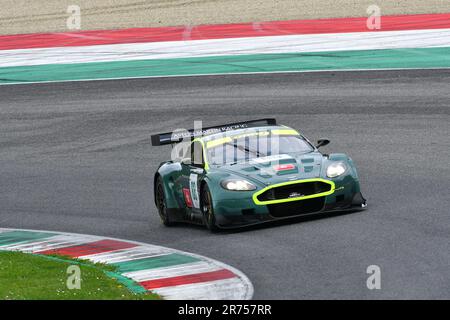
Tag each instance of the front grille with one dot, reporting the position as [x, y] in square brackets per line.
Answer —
[296, 190]
[295, 208]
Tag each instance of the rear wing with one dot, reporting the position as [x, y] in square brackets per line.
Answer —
[178, 136]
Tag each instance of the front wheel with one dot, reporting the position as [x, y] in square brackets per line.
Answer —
[209, 218]
[161, 203]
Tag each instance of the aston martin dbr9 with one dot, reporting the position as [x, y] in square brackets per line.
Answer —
[251, 172]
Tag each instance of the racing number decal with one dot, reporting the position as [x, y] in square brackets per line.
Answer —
[193, 186]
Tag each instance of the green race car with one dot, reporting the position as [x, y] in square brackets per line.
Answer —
[248, 173]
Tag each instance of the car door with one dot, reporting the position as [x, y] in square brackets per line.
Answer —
[192, 174]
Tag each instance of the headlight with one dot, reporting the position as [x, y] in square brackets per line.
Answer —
[336, 169]
[237, 185]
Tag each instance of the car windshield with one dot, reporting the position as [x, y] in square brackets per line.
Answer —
[252, 147]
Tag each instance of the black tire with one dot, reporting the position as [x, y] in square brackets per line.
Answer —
[209, 219]
[160, 199]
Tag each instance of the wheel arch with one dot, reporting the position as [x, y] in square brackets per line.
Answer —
[212, 226]
[165, 173]
[207, 181]
[155, 180]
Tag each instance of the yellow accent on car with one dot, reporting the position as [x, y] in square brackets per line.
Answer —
[285, 132]
[218, 142]
[322, 194]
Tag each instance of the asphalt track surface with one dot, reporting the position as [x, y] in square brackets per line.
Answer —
[76, 157]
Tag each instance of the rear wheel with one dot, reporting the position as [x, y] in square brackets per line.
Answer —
[161, 203]
[209, 218]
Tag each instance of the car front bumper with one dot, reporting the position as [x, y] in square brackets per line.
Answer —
[240, 214]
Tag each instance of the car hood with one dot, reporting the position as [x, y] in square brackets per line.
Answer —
[279, 168]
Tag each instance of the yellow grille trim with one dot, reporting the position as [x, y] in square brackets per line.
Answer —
[317, 195]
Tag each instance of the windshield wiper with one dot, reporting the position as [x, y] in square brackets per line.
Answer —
[242, 148]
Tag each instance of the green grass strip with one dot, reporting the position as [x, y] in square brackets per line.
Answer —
[109, 270]
[127, 282]
[28, 276]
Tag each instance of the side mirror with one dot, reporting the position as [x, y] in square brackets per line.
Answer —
[322, 142]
